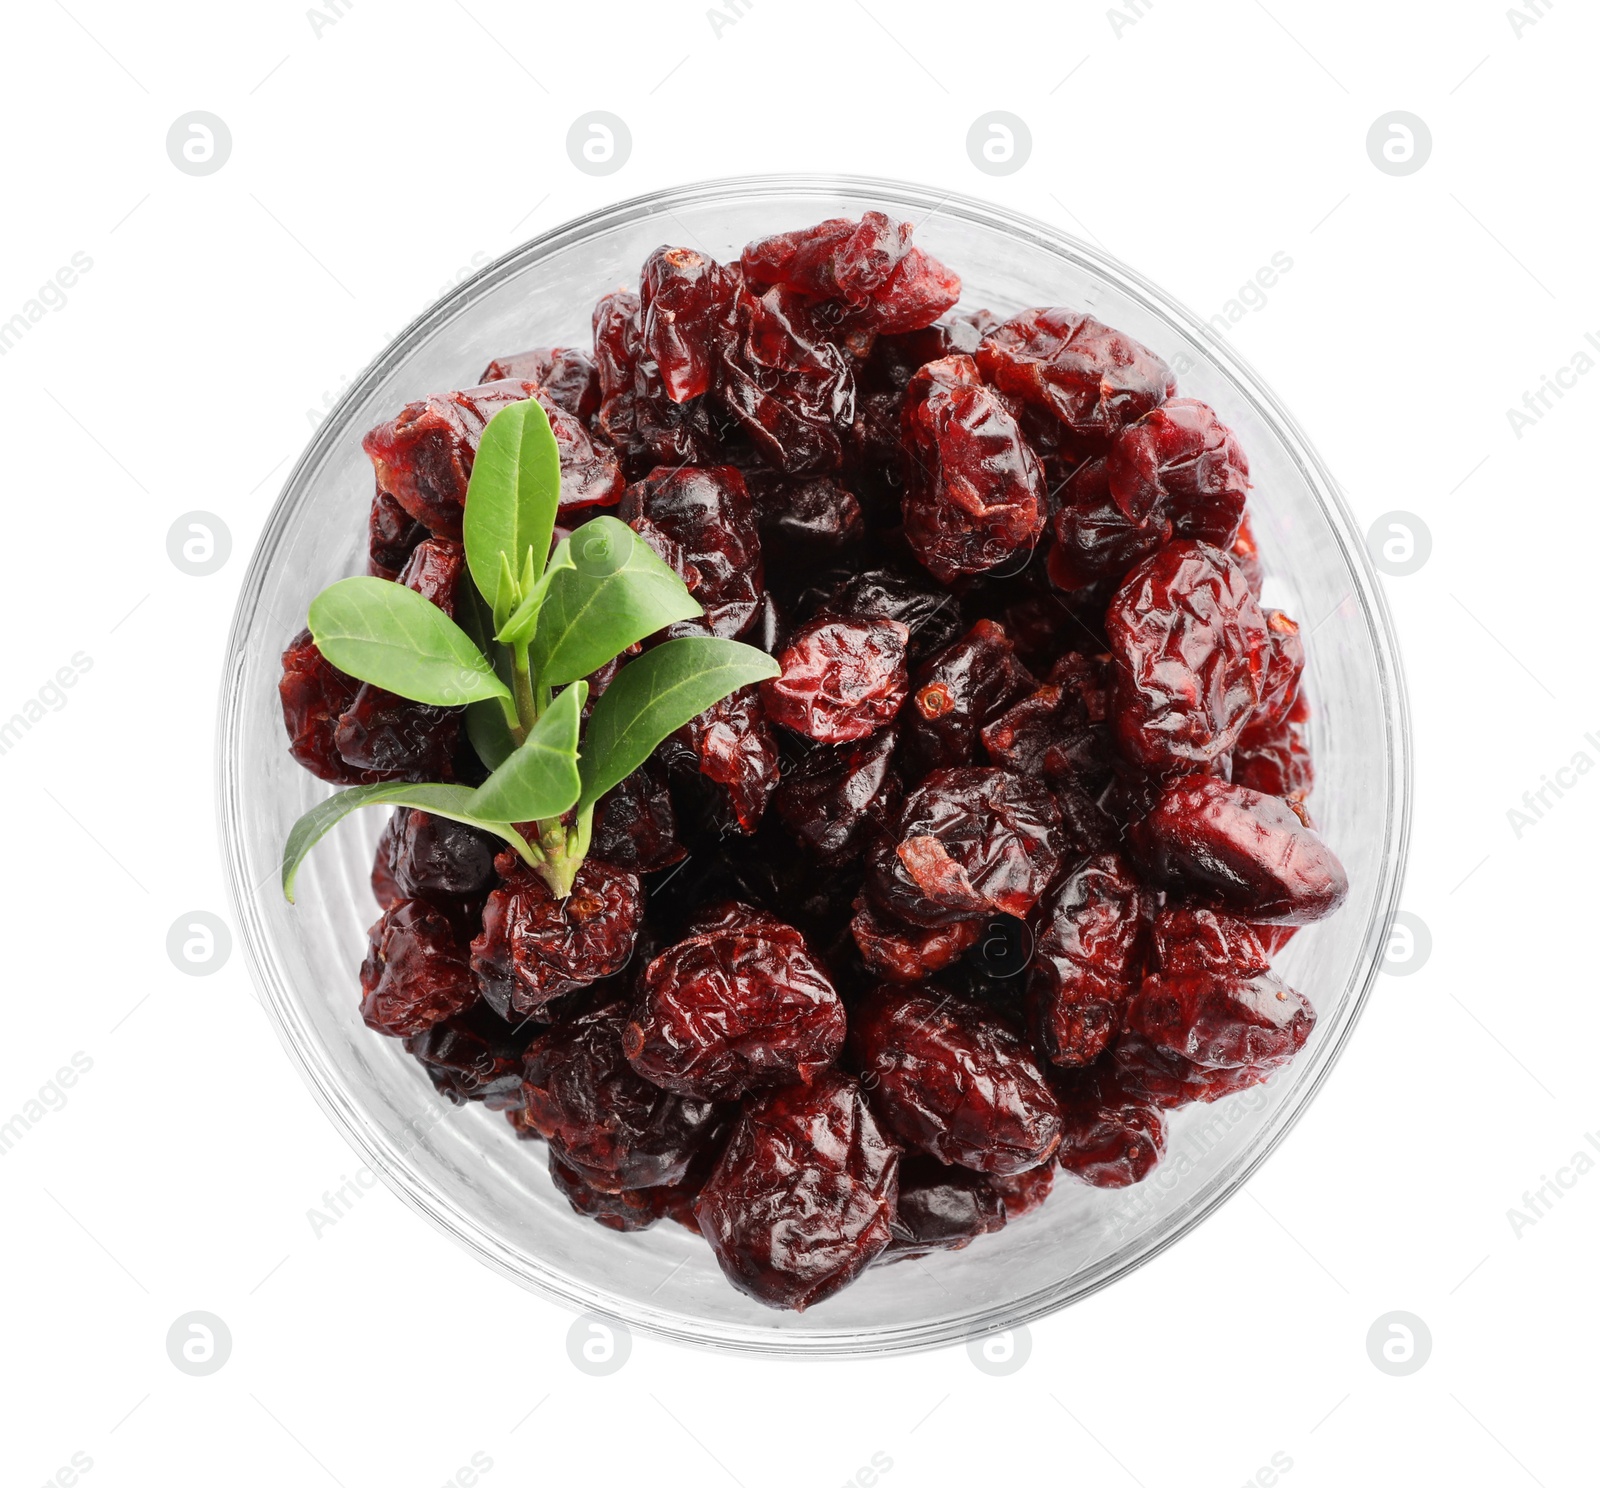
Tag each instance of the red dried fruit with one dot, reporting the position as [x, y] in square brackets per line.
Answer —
[392, 534]
[952, 1080]
[842, 679]
[955, 692]
[736, 1007]
[1022, 1193]
[792, 393]
[909, 953]
[975, 491]
[942, 1208]
[1274, 761]
[967, 844]
[534, 947]
[1110, 1137]
[1188, 639]
[1096, 539]
[634, 824]
[1087, 960]
[1248, 556]
[474, 1056]
[631, 1210]
[803, 1197]
[709, 523]
[1282, 664]
[1185, 939]
[684, 301]
[616, 1129]
[442, 862]
[834, 797]
[1235, 849]
[313, 693]
[1095, 380]
[416, 972]
[566, 373]
[731, 745]
[1059, 731]
[816, 518]
[931, 615]
[1181, 461]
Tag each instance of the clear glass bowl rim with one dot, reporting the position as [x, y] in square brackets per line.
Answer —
[376, 1146]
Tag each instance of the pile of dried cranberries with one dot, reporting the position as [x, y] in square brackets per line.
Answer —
[985, 883]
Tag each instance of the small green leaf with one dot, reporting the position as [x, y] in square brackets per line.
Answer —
[487, 725]
[506, 594]
[617, 592]
[512, 494]
[441, 800]
[540, 777]
[391, 636]
[519, 629]
[660, 692]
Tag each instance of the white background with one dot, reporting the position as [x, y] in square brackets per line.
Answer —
[377, 159]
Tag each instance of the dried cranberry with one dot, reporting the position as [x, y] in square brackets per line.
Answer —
[975, 494]
[1236, 849]
[942, 1208]
[1110, 1137]
[731, 745]
[909, 953]
[1182, 461]
[954, 1081]
[630, 1210]
[709, 522]
[1185, 939]
[967, 844]
[791, 392]
[314, 693]
[442, 862]
[1095, 380]
[1095, 538]
[802, 1200]
[833, 797]
[534, 947]
[842, 679]
[1248, 556]
[1188, 639]
[613, 1126]
[392, 534]
[1060, 730]
[815, 518]
[737, 1007]
[955, 692]
[416, 972]
[1274, 761]
[1282, 664]
[634, 824]
[684, 300]
[931, 615]
[1022, 1193]
[566, 373]
[1087, 960]
[474, 1056]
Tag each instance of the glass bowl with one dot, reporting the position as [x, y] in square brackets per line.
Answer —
[462, 1167]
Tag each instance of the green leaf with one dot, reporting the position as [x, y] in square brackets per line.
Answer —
[617, 592]
[540, 778]
[391, 636]
[487, 725]
[441, 800]
[660, 692]
[524, 620]
[512, 494]
[506, 593]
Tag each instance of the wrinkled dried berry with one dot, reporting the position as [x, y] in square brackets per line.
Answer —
[931, 615]
[834, 797]
[314, 693]
[955, 692]
[442, 862]
[1238, 850]
[566, 373]
[392, 534]
[474, 1056]
[909, 953]
[732, 746]
[634, 824]
[809, 519]
[1185, 939]
[534, 947]
[1093, 379]
[842, 679]
[416, 972]
[975, 493]
[954, 1081]
[737, 1007]
[1022, 1193]
[1096, 540]
[1060, 731]
[614, 1127]
[803, 1197]
[1282, 663]
[684, 301]
[942, 1208]
[1087, 960]
[1110, 1137]
[1188, 639]
[1274, 761]
[1181, 461]
[967, 844]
[626, 1212]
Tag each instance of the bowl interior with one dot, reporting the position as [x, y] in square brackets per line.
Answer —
[463, 1167]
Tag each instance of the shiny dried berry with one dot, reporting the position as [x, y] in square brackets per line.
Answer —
[534, 947]
[1235, 849]
[566, 373]
[930, 614]
[1189, 640]
[1087, 960]
[808, 519]
[1181, 461]
[1282, 664]
[909, 953]
[474, 1056]
[1060, 731]
[1110, 1138]
[1022, 1193]
[1185, 939]
[975, 491]
[955, 692]
[791, 392]
[1248, 556]
[1274, 761]
[952, 1080]
[709, 522]
[616, 1129]
[634, 824]
[1096, 540]
[1094, 380]
[842, 679]
[415, 973]
[392, 534]
[684, 301]
[442, 862]
[967, 844]
[833, 797]
[737, 1007]
[942, 1208]
[732, 746]
[631, 1210]
[313, 694]
[802, 1199]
